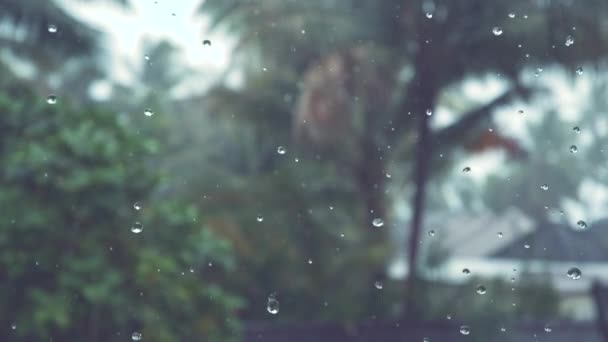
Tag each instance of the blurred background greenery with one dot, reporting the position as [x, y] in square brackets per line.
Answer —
[306, 168]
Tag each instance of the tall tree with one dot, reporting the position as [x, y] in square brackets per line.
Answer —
[389, 64]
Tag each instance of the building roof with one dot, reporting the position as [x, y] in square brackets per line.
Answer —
[560, 243]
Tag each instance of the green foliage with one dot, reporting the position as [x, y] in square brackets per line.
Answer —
[72, 268]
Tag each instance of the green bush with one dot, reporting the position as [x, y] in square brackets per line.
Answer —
[71, 268]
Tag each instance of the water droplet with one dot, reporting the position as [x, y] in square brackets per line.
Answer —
[136, 206]
[51, 99]
[378, 285]
[388, 175]
[511, 15]
[272, 305]
[448, 317]
[548, 328]
[136, 336]
[148, 112]
[521, 111]
[574, 273]
[260, 218]
[429, 15]
[429, 112]
[137, 227]
[497, 30]
[538, 72]
[544, 187]
[500, 235]
[466, 169]
[206, 42]
[281, 150]
[579, 70]
[466, 271]
[569, 40]
[310, 261]
[481, 290]
[465, 330]
[582, 225]
[527, 246]
[431, 233]
[52, 28]
[426, 339]
[146, 57]
[573, 149]
[377, 222]
[14, 326]
[503, 329]
[576, 129]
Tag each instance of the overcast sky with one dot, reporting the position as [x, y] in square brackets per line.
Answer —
[176, 21]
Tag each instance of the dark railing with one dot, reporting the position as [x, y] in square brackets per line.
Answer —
[445, 331]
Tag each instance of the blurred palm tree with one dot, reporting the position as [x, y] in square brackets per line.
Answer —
[368, 75]
[47, 37]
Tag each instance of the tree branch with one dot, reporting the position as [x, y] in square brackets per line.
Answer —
[458, 130]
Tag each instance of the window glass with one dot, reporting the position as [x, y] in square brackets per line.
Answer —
[319, 170]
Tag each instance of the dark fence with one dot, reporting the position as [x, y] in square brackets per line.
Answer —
[563, 331]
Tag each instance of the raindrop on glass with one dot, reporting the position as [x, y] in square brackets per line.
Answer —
[569, 40]
[426, 339]
[272, 306]
[581, 225]
[137, 227]
[466, 271]
[206, 42]
[511, 15]
[481, 289]
[136, 336]
[503, 329]
[465, 330]
[378, 222]
[136, 206]
[548, 328]
[574, 273]
[527, 246]
[52, 28]
[429, 112]
[429, 15]
[281, 150]
[521, 111]
[448, 317]
[14, 326]
[148, 112]
[146, 57]
[260, 218]
[378, 285]
[544, 187]
[497, 30]
[576, 129]
[310, 261]
[573, 149]
[466, 169]
[500, 235]
[51, 99]
[431, 233]
[579, 70]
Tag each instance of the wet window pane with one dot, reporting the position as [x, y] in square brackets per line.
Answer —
[320, 170]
